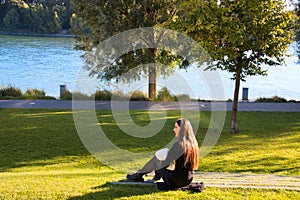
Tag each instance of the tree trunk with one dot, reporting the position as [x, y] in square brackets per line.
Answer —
[234, 125]
[152, 75]
[152, 83]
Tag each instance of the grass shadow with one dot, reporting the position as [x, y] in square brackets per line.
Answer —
[110, 191]
[38, 137]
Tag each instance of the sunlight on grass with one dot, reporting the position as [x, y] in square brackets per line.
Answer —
[42, 156]
[31, 115]
[56, 184]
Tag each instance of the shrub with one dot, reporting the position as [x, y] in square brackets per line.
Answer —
[80, 96]
[272, 99]
[164, 95]
[103, 95]
[203, 100]
[292, 101]
[7, 98]
[35, 92]
[138, 96]
[66, 95]
[117, 95]
[182, 97]
[10, 91]
[279, 99]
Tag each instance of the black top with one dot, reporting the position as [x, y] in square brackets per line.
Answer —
[181, 175]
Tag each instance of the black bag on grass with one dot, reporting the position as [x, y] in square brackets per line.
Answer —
[193, 187]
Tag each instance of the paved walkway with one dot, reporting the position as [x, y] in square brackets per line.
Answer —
[144, 105]
[260, 181]
[235, 180]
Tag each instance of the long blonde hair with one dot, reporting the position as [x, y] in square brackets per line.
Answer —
[188, 142]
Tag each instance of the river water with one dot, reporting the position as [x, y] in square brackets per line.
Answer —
[46, 63]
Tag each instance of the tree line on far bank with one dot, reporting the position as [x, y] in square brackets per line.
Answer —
[36, 16]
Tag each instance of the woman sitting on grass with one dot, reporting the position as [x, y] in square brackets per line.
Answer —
[184, 153]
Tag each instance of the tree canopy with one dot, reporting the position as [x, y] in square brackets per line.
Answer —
[104, 19]
[297, 9]
[240, 36]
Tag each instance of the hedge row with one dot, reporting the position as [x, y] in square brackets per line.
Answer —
[11, 92]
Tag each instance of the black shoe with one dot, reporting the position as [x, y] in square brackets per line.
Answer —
[135, 177]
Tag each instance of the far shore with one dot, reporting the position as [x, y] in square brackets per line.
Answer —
[38, 34]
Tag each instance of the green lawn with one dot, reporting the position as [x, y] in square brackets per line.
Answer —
[42, 156]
